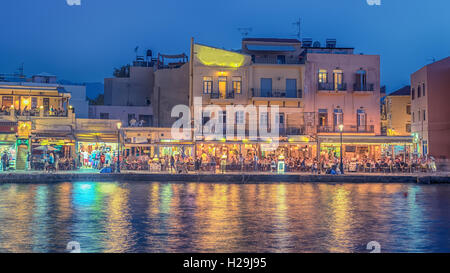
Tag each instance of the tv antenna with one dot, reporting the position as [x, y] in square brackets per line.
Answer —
[298, 25]
[245, 31]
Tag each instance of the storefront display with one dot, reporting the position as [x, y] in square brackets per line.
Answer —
[96, 155]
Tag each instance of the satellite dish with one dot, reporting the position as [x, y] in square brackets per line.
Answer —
[316, 44]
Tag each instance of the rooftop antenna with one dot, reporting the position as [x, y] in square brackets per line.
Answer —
[245, 31]
[21, 71]
[136, 51]
[298, 25]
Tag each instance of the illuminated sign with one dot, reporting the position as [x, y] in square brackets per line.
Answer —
[24, 129]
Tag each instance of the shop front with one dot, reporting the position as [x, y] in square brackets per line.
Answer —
[96, 155]
[62, 146]
[365, 148]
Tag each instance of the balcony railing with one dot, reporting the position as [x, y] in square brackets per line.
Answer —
[329, 86]
[292, 131]
[367, 87]
[228, 95]
[346, 129]
[276, 93]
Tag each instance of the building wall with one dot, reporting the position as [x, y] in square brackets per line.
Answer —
[397, 115]
[418, 105]
[78, 100]
[171, 88]
[349, 101]
[136, 90]
[435, 129]
[121, 113]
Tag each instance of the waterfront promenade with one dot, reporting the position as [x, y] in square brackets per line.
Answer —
[229, 177]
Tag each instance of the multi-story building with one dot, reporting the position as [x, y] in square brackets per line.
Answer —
[398, 112]
[317, 89]
[32, 116]
[430, 113]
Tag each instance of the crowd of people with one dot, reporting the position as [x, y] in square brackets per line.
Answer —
[34, 111]
[269, 163]
[98, 159]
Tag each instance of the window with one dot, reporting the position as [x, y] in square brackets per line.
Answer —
[337, 118]
[338, 76]
[207, 85]
[361, 77]
[419, 93]
[323, 117]
[424, 115]
[264, 120]
[240, 117]
[408, 109]
[34, 102]
[408, 128]
[413, 93]
[7, 101]
[418, 115]
[223, 87]
[323, 76]
[104, 115]
[281, 59]
[423, 89]
[413, 118]
[237, 85]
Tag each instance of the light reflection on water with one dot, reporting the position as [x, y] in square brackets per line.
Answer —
[202, 217]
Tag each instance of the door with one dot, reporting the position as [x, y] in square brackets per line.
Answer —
[46, 104]
[338, 79]
[266, 87]
[222, 87]
[291, 88]
[361, 119]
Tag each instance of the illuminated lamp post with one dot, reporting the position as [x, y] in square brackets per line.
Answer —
[119, 124]
[341, 129]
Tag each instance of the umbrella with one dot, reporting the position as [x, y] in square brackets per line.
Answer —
[46, 148]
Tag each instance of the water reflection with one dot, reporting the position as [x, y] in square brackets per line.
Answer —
[200, 217]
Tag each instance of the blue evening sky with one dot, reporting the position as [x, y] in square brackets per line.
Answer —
[84, 43]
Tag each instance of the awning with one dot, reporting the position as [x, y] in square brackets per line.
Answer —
[101, 137]
[367, 140]
[7, 138]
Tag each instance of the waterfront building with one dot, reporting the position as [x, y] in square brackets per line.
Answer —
[96, 137]
[37, 115]
[398, 112]
[154, 142]
[78, 100]
[316, 89]
[171, 87]
[134, 116]
[430, 112]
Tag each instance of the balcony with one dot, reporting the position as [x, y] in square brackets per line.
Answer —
[276, 93]
[329, 86]
[366, 87]
[292, 131]
[228, 95]
[347, 129]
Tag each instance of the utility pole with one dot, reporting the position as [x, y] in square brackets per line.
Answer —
[298, 25]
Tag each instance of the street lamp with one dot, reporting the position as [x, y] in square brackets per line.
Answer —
[119, 124]
[341, 129]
